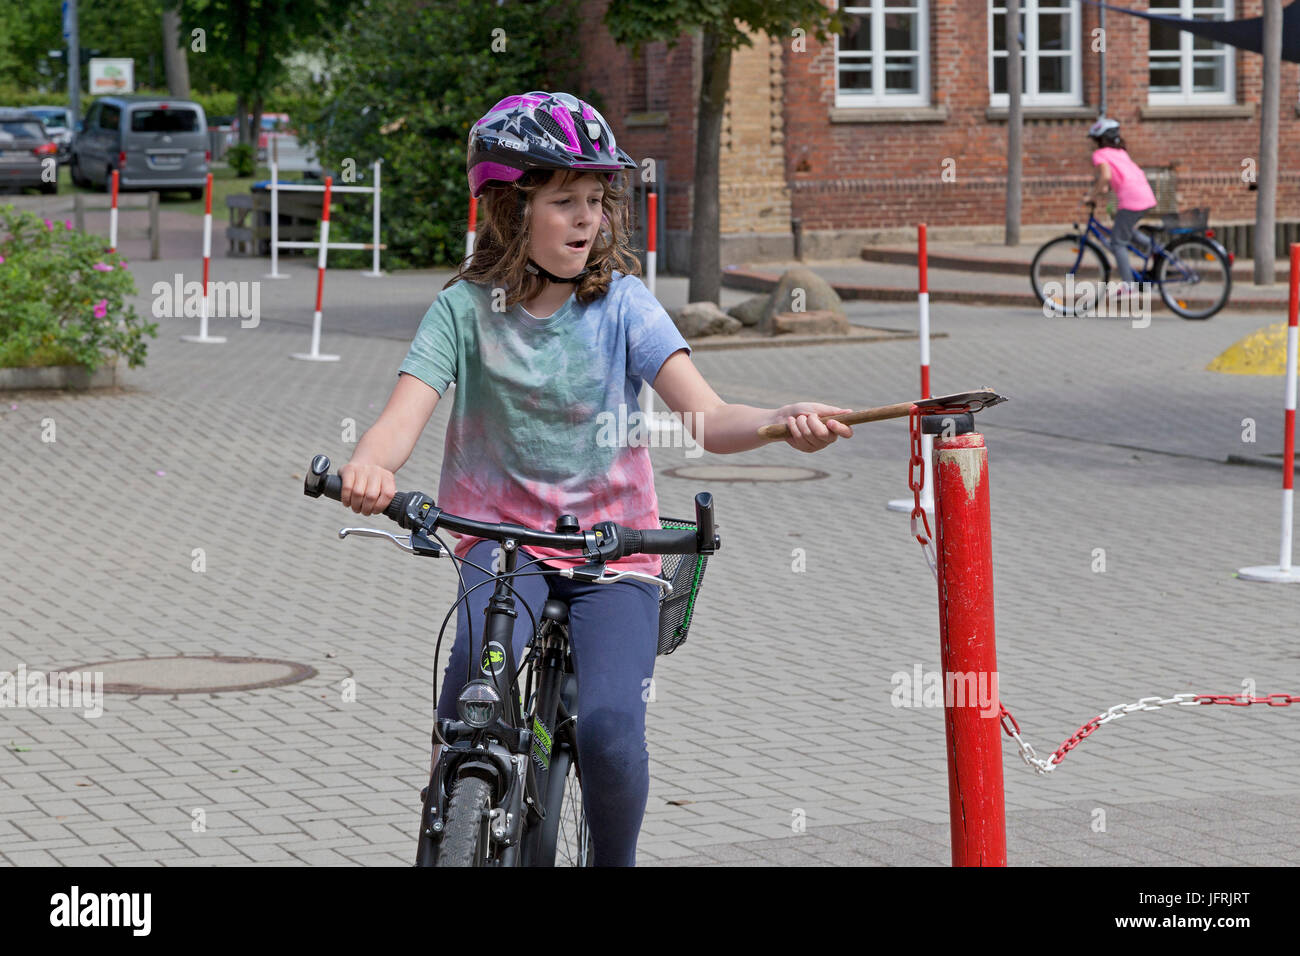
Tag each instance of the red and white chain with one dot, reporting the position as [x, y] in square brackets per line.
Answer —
[1042, 766]
[916, 481]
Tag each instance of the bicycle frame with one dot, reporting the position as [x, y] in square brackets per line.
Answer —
[1095, 229]
[514, 753]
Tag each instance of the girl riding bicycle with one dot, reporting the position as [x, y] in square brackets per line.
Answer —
[1116, 170]
[544, 331]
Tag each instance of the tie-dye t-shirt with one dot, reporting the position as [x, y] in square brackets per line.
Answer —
[522, 443]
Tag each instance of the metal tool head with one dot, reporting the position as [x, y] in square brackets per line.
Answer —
[975, 401]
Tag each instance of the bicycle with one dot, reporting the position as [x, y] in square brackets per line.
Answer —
[507, 787]
[1194, 260]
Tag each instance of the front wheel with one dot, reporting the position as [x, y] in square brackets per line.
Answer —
[1064, 265]
[1194, 277]
[465, 838]
[565, 827]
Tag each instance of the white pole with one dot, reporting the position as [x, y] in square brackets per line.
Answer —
[374, 272]
[275, 223]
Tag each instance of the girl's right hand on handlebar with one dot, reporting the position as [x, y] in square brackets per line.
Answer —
[367, 489]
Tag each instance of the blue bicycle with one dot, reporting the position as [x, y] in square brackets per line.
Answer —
[1192, 272]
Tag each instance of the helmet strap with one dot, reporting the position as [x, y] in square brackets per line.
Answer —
[532, 267]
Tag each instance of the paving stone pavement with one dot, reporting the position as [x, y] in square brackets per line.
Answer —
[778, 709]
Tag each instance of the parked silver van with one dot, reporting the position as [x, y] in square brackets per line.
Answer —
[153, 143]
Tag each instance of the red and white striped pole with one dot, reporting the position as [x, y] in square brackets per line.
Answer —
[207, 259]
[651, 235]
[927, 441]
[647, 396]
[315, 354]
[473, 227]
[1283, 572]
[112, 216]
[972, 725]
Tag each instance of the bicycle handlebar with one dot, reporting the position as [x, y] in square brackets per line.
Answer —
[606, 541]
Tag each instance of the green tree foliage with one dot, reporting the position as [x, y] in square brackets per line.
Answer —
[245, 44]
[721, 24]
[30, 29]
[406, 83]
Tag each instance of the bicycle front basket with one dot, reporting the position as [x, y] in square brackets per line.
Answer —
[685, 572]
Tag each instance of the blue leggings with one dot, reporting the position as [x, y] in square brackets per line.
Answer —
[614, 632]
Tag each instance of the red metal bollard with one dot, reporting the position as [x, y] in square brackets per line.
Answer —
[963, 545]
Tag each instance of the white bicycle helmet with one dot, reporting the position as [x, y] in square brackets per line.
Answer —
[1104, 125]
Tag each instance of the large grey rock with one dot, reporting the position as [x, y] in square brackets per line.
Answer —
[697, 319]
[820, 322]
[750, 312]
[800, 290]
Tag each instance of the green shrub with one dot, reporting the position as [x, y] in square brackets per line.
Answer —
[241, 159]
[408, 96]
[63, 297]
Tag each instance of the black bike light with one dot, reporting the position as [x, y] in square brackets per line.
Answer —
[479, 704]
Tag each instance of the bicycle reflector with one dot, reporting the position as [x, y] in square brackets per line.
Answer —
[479, 704]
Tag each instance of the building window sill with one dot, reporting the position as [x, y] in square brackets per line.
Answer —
[998, 114]
[655, 118]
[1198, 111]
[889, 114]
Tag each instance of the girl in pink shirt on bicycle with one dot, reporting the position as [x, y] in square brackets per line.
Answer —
[1115, 170]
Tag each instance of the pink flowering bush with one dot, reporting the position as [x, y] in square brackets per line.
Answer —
[63, 299]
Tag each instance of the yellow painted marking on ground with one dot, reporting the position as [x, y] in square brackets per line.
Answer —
[1263, 352]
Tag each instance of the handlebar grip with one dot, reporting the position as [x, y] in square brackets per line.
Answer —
[319, 481]
[705, 542]
[666, 541]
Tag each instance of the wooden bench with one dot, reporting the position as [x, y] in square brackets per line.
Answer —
[249, 230]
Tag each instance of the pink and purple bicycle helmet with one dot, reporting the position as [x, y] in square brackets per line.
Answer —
[540, 130]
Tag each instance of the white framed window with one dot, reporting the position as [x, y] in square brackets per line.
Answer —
[1050, 65]
[1185, 68]
[883, 56]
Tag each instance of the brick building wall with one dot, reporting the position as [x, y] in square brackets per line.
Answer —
[861, 175]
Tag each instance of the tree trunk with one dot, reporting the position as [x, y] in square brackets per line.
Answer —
[241, 117]
[1014, 124]
[255, 124]
[706, 253]
[175, 64]
[1266, 199]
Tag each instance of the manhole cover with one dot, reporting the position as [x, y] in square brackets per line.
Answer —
[745, 473]
[196, 675]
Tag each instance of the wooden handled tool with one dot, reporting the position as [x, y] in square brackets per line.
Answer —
[977, 400]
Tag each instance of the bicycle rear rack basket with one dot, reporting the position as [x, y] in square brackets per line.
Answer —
[1187, 220]
[685, 572]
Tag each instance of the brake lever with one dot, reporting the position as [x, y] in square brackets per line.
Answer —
[596, 575]
[402, 542]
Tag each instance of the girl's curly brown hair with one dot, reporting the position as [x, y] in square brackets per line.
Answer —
[501, 246]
